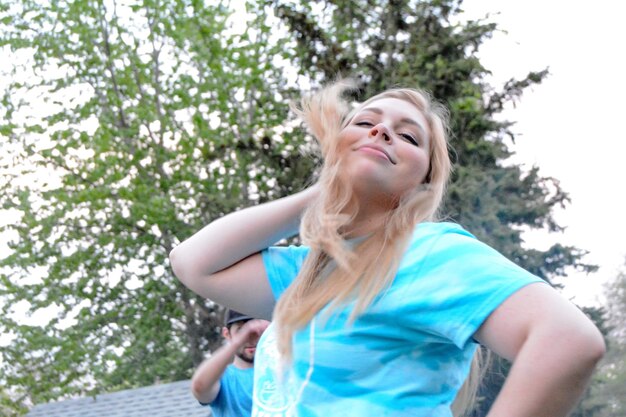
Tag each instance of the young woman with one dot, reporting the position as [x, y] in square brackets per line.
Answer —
[381, 312]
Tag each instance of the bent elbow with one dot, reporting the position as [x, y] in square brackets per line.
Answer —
[591, 348]
[198, 387]
[177, 264]
[187, 270]
[174, 261]
[597, 347]
[204, 391]
[174, 258]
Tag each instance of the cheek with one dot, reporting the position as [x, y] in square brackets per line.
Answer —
[346, 138]
[345, 144]
[420, 165]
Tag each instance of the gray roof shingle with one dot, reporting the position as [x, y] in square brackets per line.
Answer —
[163, 400]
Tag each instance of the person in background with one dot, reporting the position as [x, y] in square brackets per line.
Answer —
[224, 381]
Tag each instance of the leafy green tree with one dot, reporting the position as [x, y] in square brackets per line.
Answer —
[126, 126]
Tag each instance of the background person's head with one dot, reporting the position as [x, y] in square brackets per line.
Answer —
[233, 323]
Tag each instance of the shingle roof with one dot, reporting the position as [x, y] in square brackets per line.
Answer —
[164, 400]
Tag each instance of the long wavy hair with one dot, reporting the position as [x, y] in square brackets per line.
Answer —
[368, 268]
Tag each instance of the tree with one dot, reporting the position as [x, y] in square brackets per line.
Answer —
[425, 44]
[417, 43]
[127, 126]
[608, 392]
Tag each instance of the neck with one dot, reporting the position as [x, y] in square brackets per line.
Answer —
[371, 214]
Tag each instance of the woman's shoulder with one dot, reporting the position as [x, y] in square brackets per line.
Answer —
[436, 230]
[445, 238]
[291, 253]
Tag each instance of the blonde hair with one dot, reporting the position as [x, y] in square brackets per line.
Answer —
[364, 271]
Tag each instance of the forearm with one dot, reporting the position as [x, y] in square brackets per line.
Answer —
[238, 235]
[548, 377]
[205, 383]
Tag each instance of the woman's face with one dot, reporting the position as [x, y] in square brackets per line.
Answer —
[386, 147]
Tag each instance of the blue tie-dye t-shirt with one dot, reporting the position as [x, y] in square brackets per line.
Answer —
[411, 350]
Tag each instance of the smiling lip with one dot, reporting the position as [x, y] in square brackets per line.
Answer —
[377, 149]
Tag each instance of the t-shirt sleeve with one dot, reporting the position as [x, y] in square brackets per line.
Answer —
[282, 264]
[235, 395]
[459, 281]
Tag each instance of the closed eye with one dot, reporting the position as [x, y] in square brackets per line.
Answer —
[364, 123]
[409, 138]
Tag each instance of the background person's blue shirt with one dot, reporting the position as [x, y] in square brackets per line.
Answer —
[409, 353]
[235, 396]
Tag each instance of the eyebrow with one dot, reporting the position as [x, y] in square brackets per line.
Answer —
[406, 120]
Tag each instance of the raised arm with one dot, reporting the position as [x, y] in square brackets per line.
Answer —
[222, 261]
[554, 348]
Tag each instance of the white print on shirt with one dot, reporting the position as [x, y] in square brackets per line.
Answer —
[271, 399]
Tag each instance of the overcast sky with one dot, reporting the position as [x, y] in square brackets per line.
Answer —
[570, 126]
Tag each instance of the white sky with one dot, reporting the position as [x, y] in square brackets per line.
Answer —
[570, 125]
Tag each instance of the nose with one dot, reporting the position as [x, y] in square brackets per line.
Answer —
[381, 131]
